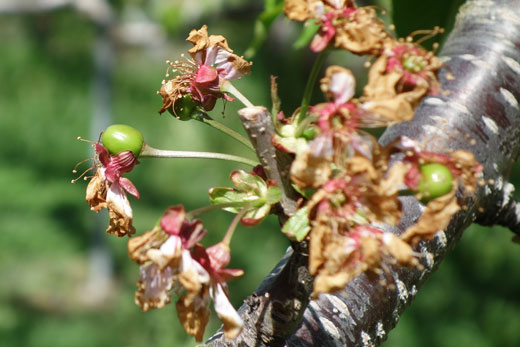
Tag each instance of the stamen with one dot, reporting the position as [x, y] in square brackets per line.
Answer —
[428, 34]
[85, 140]
[74, 170]
[83, 173]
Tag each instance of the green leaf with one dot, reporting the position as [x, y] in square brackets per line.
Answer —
[255, 216]
[248, 182]
[272, 9]
[297, 227]
[226, 195]
[273, 196]
[306, 193]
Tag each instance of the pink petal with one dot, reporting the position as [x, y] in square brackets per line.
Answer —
[172, 219]
[129, 186]
[206, 74]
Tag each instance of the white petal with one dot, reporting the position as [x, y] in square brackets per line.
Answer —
[117, 196]
[228, 315]
[190, 264]
[211, 55]
[342, 86]
[172, 246]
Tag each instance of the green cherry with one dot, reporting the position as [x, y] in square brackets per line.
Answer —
[184, 108]
[436, 180]
[119, 137]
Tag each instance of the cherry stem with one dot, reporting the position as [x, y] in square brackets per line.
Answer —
[229, 88]
[230, 132]
[149, 151]
[231, 229]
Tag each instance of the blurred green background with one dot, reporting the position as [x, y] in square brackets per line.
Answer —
[63, 282]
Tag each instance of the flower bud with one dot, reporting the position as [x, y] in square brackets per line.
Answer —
[119, 137]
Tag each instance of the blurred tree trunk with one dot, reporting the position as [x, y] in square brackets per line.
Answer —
[479, 113]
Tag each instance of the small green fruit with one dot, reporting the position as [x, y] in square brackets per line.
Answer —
[436, 180]
[119, 137]
[184, 108]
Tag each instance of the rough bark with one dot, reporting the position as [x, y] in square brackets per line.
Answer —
[479, 113]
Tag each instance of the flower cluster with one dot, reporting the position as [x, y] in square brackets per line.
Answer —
[202, 77]
[344, 174]
[171, 259]
[349, 184]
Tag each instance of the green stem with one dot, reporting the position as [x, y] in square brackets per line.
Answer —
[229, 88]
[210, 208]
[148, 151]
[230, 132]
[234, 223]
[307, 94]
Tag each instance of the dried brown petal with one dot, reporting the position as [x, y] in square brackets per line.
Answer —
[364, 34]
[97, 191]
[120, 220]
[139, 245]
[436, 216]
[308, 170]
[193, 317]
[382, 97]
[299, 10]
[203, 43]
[469, 169]
[399, 250]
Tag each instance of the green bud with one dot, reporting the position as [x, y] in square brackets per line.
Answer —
[309, 133]
[120, 137]
[436, 180]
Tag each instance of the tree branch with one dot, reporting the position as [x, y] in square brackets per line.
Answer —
[480, 113]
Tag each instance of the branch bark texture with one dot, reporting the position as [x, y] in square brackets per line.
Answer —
[479, 112]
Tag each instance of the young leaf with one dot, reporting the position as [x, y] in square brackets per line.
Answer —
[297, 227]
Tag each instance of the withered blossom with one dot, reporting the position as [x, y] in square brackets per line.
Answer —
[212, 63]
[107, 187]
[398, 80]
[172, 260]
[160, 252]
[338, 255]
[342, 24]
[439, 211]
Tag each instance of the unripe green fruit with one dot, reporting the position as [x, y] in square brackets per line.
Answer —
[119, 137]
[436, 180]
[184, 108]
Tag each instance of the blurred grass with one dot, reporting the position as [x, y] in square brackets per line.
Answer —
[48, 232]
